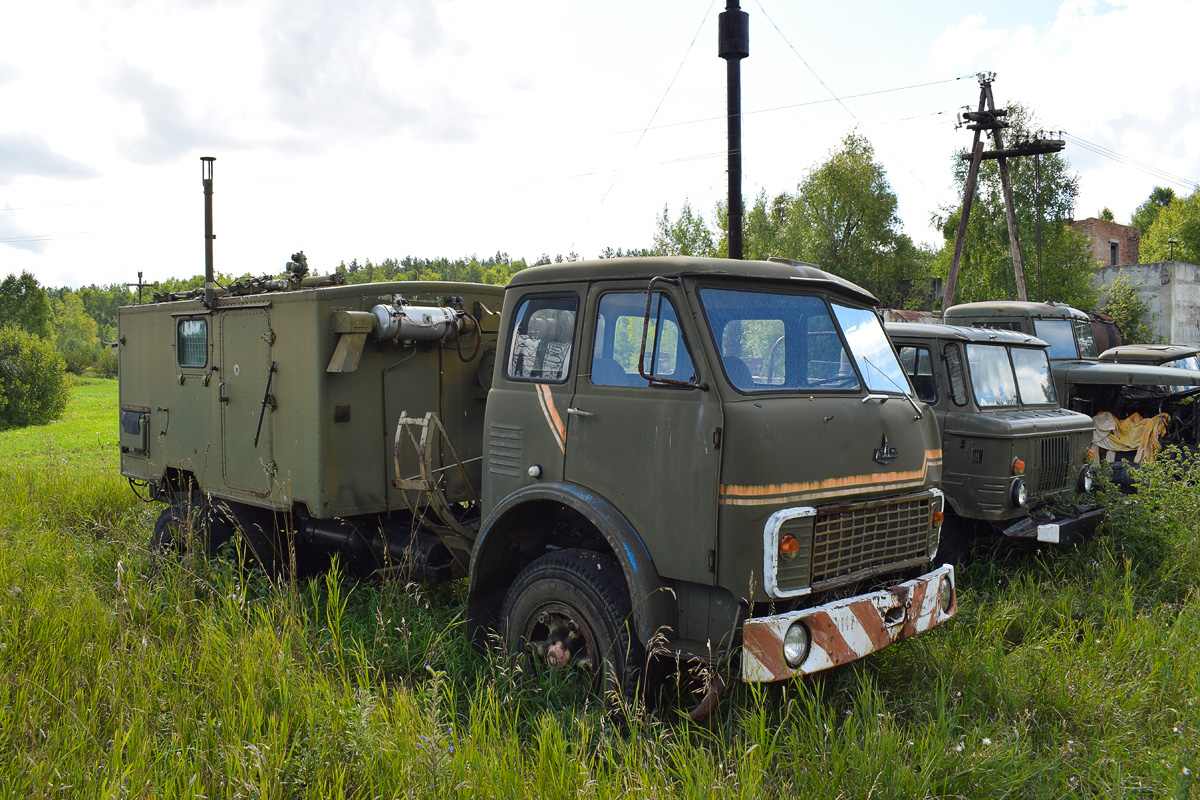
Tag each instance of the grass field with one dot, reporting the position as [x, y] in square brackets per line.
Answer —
[1066, 673]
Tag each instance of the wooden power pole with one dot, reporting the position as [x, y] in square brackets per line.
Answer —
[989, 118]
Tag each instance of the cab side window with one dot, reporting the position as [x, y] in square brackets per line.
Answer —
[956, 374]
[619, 341]
[918, 364]
[542, 339]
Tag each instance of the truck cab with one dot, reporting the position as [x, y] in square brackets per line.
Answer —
[1015, 463]
[738, 436]
[1094, 387]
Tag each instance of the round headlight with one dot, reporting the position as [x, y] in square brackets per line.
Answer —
[796, 644]
[1086, 479]
[1019, 493]
[946, 595]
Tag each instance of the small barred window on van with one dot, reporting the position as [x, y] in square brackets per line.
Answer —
[191, 342]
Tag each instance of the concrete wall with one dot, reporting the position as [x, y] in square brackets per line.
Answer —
[1171, 290]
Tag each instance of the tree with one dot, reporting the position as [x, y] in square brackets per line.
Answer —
[24, 304]
[1128, 310]
[33, 387]
[77, 336]
[688, 235]
[1106, 214]
[1180, 220]
[843, 219]
[986, 270]
[1148, 211]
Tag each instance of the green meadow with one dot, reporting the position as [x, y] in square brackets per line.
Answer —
[1067, 672]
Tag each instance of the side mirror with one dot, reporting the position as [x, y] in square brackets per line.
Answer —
[645, 335]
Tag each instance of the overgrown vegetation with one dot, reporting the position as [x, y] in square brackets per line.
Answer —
[1128, 310]
[33, 387]
[1068, 672]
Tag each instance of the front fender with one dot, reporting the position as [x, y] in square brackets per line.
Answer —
[652, 598]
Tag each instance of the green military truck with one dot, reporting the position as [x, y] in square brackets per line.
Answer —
[719, 460]
[1086, 384]
[1015, 464]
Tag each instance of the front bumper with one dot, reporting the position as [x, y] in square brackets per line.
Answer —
[846, 630]
[1062, 529]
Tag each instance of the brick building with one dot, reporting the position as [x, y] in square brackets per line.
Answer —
[1112, 243]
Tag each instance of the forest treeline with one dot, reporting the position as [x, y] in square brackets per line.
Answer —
[842, 217]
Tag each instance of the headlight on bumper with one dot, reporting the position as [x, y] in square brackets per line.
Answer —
[796, 643]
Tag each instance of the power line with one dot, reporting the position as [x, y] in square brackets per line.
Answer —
[802, 61]
[1142, 166]
[796, 105]
[678, 69]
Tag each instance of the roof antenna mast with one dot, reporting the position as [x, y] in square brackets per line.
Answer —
[206, 178]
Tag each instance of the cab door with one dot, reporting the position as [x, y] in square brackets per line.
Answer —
[525, 422]
[649, 448]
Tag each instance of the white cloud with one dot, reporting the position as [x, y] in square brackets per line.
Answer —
[29, 154]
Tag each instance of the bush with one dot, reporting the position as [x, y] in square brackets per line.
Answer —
[106, 363]
[77, 358]
[34, 387]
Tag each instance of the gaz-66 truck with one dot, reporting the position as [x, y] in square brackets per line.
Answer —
[1014, 463]
[719, 460]
[1164, 396]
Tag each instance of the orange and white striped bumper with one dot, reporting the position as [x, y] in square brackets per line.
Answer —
[846, 630]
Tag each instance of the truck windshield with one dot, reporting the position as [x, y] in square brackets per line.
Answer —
[776, 341]
[1060, 336]
[872, 351]
[991, 375]
[1034, 381]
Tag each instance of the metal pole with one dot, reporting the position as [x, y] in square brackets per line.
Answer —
[206, 178]
[733, 45]
[1037, 193]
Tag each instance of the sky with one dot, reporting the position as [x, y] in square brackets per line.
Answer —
[388, 128]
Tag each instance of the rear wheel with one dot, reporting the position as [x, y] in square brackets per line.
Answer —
[570, 610]
[189, 526]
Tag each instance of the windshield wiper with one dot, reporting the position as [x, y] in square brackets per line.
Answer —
[885, 397]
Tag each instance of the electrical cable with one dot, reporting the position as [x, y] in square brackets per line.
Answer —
[1142, 166]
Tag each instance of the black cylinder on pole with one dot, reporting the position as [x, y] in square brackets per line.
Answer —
[733, 44]
[206, 178]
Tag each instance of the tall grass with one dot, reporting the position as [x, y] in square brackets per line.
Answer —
[1067, 672]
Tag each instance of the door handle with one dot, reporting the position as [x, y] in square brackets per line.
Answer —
[576, 412]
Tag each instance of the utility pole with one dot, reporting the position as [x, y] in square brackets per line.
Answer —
[733, 44]
[139, 286]
[988, 118]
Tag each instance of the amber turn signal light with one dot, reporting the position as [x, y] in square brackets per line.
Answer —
[938, 516]
[789, 546]
[1018, 467]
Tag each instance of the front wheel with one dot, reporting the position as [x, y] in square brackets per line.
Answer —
[570, 609]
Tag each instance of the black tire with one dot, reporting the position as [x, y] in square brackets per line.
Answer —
[957, 539]
[570, 609]
[189, 526]
[269, 543]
